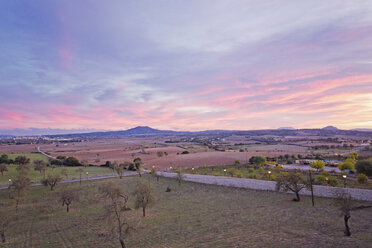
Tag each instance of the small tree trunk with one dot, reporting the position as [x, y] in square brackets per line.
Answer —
[67, 208]
[17, 201]
[297, 196]
[51, 187]
[157, 178]
[122, 242]
[347, 229]
[3, 237]
[144, 211]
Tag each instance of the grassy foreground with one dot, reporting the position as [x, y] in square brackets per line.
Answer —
[192, 215]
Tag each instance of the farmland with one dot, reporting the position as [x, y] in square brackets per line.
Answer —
[191, 215]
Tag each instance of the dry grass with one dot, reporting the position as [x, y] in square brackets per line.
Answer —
[192, 215]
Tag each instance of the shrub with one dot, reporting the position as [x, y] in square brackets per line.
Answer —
[261, 171]
[348, 164]
[71, 161]
[185, 152]
[216, 173]
[253, 176]
[362, 178]
[320, 179]
[364, 166]
[250, 170]
[332, 181]
[231, 171]
[318, 164]
[239, 174]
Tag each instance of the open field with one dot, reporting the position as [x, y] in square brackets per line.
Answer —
[31, 156]
[36, 176]
[192, 215]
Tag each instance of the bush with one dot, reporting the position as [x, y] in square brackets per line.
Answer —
[362, 178]
[348, 164]
[231, 171]
[332, 181]
[253, 176]
[250, 170]
[364, 167]
[71, 161]
[216, 173]
[239, 174]
[185, 152]
[321, 179]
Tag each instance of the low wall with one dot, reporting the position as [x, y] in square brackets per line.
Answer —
[322, 191]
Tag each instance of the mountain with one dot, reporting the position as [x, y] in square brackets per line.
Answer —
[330, 128]
[362, 129]
[286, 128]
[42, 131]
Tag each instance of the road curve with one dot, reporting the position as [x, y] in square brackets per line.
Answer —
[46, 155]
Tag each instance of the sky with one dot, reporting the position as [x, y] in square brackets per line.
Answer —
[185, 65]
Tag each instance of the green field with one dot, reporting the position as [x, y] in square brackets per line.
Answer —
[192, 215]
[31, 156]
[36, 176]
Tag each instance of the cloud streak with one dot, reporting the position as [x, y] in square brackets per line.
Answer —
[185, 65]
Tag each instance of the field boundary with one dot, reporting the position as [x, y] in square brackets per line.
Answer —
[321, 191]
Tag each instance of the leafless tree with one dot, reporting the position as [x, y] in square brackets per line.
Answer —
[180, 176]
[116, 207]
[40, 166]
[119, 169]
[144, 194]
[67, 197]
[3, 167]
[51, 181]
[346, 204]
[4, 223]
[19, 187]
[80, 170]
[64, 172]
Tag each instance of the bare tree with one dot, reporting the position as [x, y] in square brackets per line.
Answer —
[64, 172]
[138, 163]
[346, 204]
[67, 197]
[19, 187]
[116, 206]
[4, 222]
[80, 170]
[291, 181]
[119, 168]
[51, 181]
[3, 168]
[180, 176]
[154, 173]
[144, 194]
[40, 166]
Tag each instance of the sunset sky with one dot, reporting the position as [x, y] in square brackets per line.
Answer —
[185, 65]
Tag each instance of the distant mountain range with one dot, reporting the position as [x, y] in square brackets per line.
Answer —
[42, 131]
[147, 131]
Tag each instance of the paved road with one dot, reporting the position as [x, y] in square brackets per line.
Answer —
[46, 155]
[354, 150]
[85, 178]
